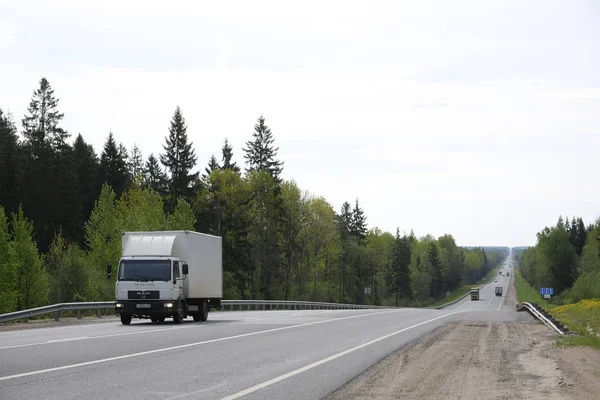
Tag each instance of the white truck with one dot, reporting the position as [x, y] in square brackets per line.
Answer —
[168, 274]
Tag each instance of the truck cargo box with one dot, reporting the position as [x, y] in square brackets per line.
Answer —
[201, 252]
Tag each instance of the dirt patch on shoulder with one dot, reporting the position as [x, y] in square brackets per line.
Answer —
[476, 360]
[581, 371]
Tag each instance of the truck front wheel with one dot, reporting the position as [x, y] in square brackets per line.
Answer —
[125, 319]
[177, 317]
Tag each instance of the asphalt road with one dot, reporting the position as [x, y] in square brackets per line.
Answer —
[251, 354]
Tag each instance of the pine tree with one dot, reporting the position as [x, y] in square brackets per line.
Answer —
[227, 155]
[154, 177]
[179, 158]
[48, 184]
[437, 279]
[260, 154]
[581, 237]
[114, 166]
[345, 219]
[66, 214]
[399, 274]
[486, 264]
[40, 126]
[9, 164]
[213, 165]
[358, 226]
[136, 163]
[89, 182]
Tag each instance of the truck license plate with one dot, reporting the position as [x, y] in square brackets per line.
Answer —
[143, 305]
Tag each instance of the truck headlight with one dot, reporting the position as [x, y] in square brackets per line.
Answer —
[169, 305]
[119, 305]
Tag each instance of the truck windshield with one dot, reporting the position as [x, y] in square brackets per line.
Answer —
[145, 270]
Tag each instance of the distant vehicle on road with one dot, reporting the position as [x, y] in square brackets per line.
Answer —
[498, 290]
[474, 294]
[168, 274]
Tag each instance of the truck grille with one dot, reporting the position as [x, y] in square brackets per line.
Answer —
[143, 294]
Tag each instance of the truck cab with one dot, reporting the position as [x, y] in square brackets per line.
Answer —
[150, 287]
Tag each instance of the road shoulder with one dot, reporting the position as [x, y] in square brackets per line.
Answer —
[462, 360]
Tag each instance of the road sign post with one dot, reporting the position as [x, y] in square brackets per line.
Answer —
[547, 293]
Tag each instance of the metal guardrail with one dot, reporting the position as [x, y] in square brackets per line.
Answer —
[57, 309]
[534, 311]
[450, 302]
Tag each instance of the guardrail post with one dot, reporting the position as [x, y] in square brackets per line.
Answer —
[25, 320]
[57, 315]
[99, 313]
[78, 314]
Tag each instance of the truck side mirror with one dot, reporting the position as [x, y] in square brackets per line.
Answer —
[185, 269]
[108, 271]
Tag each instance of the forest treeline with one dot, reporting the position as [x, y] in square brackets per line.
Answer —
[63, 208]
[566, 257]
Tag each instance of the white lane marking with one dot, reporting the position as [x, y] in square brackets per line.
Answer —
[489, 302]
[183, 346]
[159, 330]
[325, 360]
[67, 339]
[501, 303]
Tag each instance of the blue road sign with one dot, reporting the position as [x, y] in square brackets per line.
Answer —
[547, 290]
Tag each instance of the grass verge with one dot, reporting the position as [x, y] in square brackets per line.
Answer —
[579, 340]
[582, 318]
[464, 289]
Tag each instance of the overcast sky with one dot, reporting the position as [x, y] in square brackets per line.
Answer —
[475, 118]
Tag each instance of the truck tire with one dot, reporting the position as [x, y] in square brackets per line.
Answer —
[204, 311]
[125, 319]
[177, 317]
[196, 317]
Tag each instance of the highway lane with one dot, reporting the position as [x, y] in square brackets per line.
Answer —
[488, 301]
[293, 354]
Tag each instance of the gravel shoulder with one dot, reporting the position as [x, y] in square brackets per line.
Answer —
[479, 359]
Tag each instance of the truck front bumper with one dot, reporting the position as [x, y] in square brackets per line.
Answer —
[147, 308]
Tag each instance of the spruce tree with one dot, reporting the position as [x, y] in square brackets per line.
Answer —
[114, 166]
[9, 164]
[89, 183]
[213, 165]
[154, 177]
[136, 163]
[40, 125]
[437, 279]
[581, 237]
[227, 155]
[345, 219]
[260, 153]
[358, 226]
[179, 158]
[399, 273]
[48, 184]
